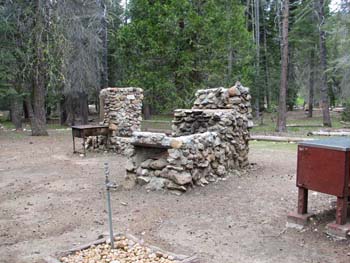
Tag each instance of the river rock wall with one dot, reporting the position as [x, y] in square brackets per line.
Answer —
[122, 110]
[122, 113]
[176, 163]
[232, 128]
[237, 97]
[208, 142]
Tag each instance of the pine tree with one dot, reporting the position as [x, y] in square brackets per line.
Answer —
[180, 46]
[282, 111]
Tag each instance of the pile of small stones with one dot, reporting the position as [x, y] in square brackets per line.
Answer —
[122, 110]
[125, 251]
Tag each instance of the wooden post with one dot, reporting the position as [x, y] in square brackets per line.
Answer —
[341, 213]
[302, 200]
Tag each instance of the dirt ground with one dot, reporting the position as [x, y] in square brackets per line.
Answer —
[52, 200]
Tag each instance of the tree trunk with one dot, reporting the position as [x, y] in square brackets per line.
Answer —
[282, 114]
[68, 110]
[63, 112]
[83, 108]
[267, 73]
[104, 36]
[311, 84]
[75, 109]
[323, 63]
[229, 63]
[290, 98]
[247, 13]
[257, 67]
[101, 107]
[230, 49]
[25, 111]
[16, 107]
[147, 111]
[39, 115]
[126, 12]
[29, 108]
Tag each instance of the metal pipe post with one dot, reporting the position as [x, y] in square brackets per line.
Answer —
[109, 208]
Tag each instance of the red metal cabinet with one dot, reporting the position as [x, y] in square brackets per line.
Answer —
[323, 170]
[323, 166]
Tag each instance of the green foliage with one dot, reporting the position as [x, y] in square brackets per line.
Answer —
[15, 57]
[300, 101]
[346, 113]
[338, 45]
[70, 45]
[17, 54]
[7, 124]
[172, 48]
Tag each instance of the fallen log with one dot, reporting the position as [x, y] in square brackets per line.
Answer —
[338, 109]
[304, 125]
[328, 133]
[345, 124]
[278, 138]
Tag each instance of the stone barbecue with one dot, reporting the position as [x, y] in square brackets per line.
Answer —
[122, 110]
[122, 113]
[230, 125]
[208, 142]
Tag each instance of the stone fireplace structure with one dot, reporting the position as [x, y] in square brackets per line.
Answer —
[121, 111]
[208, 142]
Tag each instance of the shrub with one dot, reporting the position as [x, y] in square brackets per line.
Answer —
[346, 113]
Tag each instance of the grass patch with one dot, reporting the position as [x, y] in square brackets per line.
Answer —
[264, 145]
[149, 125]
[297, 118]
[163, 122]
[162, 117]
[266, 127]
[17, 135]
[51, 126]
[7, 124]
[317, 121]
[55, 126]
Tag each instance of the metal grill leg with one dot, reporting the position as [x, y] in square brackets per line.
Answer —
[84, 142]
[74, 145]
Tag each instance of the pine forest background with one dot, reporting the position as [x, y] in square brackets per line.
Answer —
[57, 55]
